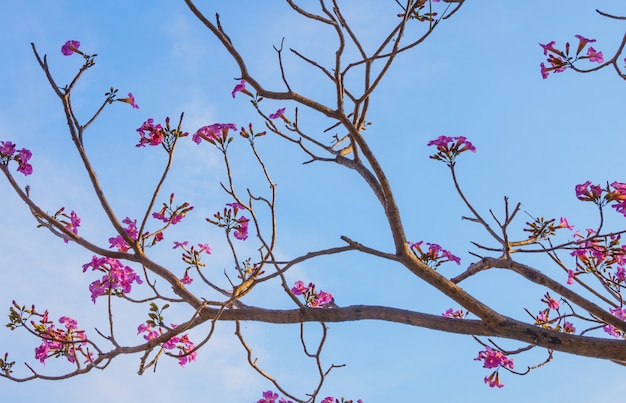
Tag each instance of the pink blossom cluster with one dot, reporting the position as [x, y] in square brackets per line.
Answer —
[541, 228]
[230, 221]
[448, 148]
[186, 348]
[494, 359]
[272, 397]
[150, 133]
[599, 255]
[559, 60]
[117, 279]
[170, 215]
[313, 298]
[9, 152]
[434, 256]
[543, 317]
[154, 135]
[458, 314]
[131, 230]
[68, 342]
[213, 133]
[191, 256]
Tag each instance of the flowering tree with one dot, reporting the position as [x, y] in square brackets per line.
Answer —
[588, 320]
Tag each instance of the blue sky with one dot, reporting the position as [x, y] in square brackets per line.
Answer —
[477, 76]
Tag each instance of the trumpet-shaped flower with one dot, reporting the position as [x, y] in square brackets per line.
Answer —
[70, 47]
[594, 56]
[130, 100]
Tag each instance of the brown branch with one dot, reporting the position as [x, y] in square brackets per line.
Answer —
[507, 328]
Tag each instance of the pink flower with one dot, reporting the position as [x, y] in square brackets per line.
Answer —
[564, 224]
[549, 47]
[117, 279]
[268, 397]
[448, 148]
[70, 47]
[494, 358]
[160, 216]
[119, 243]
[150, 134]
[73, 224]
[594, 56]
[179, 244]
[7, 148]
[324, 298]
[449, 313]
[619, 313]
[204, 247]
[435, 255]
[299, 288]
[75, 220]
[552, 303]
[130, 100]
[131, 230]
[41, 352]
[588, 192]
[212, 132]
[151, 334]
[186, 279]
[582, 42]
[568, 327]
[143, 327]
[241, 87]
[441, 141]
[241, 231]
[570, 277]
[236, 207]
[619, 190]
[278, 114]
[544, 71]
[70, 323]
[95, 263]
[171, 343]
[450, 257]
[493, 380]
[620, 207]
[612, 331]
[22, 158]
